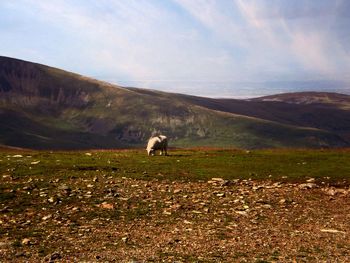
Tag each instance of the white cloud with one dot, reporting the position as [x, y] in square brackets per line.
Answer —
[298, 34]
[183, 40]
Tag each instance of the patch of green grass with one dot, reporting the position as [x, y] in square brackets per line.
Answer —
[187, 165]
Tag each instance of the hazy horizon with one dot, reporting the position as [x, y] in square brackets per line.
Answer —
[209, 48]
[237, 90]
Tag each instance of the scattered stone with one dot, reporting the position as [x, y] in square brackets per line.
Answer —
[46, 217]
[334, 231]
[217, 179]
[258, 187]
[54, 256]
[20, 254]
[243, 213]
[17, 156]
[307, 186]
[106, 205]
[88, 154]
[26, 241]
[176, 191]
[334, 191]
[125, 239]
[282, 201]
[311, 180]
[64, 188]
[35, 162]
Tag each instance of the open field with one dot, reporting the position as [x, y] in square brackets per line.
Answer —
[106, 206]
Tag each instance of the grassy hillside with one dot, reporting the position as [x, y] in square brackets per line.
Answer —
[47, 108]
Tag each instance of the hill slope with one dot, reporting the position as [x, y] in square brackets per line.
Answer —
[47, 108]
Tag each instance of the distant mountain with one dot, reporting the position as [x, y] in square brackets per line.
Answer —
[47, 108]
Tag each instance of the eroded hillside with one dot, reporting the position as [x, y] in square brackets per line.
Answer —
[48, 108]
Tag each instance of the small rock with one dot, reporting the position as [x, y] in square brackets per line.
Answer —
[307, 186]
[54, 256]
[176, 191]
[46, 217]
[106, 205]
[311, 180]
[20, 254]
[282, 201]
[334, 231]
[256, 188]
[332, 191]
[125, 239]
[35, 162]
[26, 241]
[17, 156]
[217, 179]
[64, 187]
[243, 213]
[88, 154]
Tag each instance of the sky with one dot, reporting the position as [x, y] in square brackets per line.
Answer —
[216, 48]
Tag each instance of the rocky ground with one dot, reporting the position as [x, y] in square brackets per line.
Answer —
[119, 219]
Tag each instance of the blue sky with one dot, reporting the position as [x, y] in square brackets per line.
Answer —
[204, 47]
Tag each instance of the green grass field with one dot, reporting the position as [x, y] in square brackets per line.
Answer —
[187, 165]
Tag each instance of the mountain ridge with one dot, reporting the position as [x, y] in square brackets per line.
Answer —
[47, 108]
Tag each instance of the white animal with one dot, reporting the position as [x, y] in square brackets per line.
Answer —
[159, 142]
